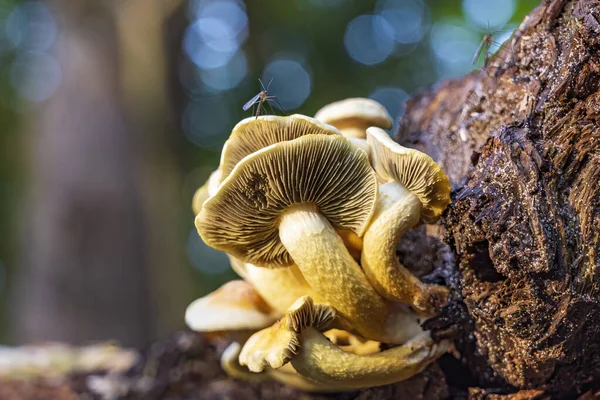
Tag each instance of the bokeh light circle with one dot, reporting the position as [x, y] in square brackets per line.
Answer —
[31, 26]
[228, 76]
[492, 14]
[393, 99]
[205, 259]
[35, 75]
[206, 121]
[291, 81]
[408, 18]
[369, 39]
[453, 46]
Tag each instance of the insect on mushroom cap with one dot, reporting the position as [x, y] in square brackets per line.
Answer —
[358, 113]
[413, 169]
[325, 171]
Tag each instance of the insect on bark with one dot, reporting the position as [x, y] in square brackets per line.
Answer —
[485, 45]
[260, 98]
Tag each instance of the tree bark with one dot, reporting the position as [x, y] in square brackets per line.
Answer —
[519, 246]
[520, 142]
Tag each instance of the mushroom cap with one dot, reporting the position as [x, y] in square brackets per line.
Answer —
[276, 345]
[271, 347]
[234, 306]
[253, 134]
[205, 191]
[242, 218]
[415, 170]
[355, 112]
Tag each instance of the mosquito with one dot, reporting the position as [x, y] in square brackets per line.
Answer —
[485, 43]
[484, 47]
[260, 98]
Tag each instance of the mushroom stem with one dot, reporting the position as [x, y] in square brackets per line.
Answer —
[324, 362]
[330, 270]
[397, 211]
[280, 287]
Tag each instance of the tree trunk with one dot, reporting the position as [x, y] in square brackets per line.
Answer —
[102, 254]
[520, 245]
[521, 143]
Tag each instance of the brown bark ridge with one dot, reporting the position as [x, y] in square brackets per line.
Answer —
[520, 142]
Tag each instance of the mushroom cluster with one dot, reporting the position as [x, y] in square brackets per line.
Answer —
[310, 211]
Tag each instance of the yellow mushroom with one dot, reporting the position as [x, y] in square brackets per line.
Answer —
[276, 345]
[253, 134]
[296, 338]
[286, 374]
[416, 190]
[353, 116]
[279, 287]
[320, 360]
[279, 206]
[235, 306]
[231, 365]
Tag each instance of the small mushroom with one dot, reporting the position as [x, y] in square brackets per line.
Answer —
[353, 116]
[415, 190]
[280, 205]
[276, 345]
[235, 306]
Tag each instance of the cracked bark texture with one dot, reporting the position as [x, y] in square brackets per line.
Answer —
[520, 142]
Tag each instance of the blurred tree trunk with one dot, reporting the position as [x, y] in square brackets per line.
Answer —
[100, 252]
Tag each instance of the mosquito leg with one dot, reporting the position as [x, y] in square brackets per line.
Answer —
[258, 108]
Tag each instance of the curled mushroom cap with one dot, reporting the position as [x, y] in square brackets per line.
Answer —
[416, 190]
[297, 338]
[275, 346]
[414, 170]
[281, 204]
[286, 374]
[353, 116]
[253, 134]
[320, 360]
[234, 306]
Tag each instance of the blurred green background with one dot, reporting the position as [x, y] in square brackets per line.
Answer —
[112, 113]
